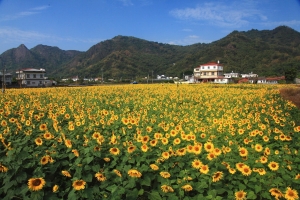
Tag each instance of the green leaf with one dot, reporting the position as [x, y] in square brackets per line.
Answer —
[141, 192]
[87, 160]
[112, 188]
[88, 177]
[251, 195]
[154, 196]
[146, 180]
[21, 177]
[257, 188]
[72, 194]
[38, 195]
[96, 168]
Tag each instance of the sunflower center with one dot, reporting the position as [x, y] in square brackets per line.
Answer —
[36, 182]
[79, 183]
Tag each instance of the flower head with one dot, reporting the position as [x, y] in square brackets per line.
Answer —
[240, 195]
[36, 184]
[79, 184]
[134, 173]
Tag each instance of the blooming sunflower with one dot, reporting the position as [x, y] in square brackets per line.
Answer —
[196, 164]
[176, 141]
[204, 169]
[131, 149]
[187, 187]
[36, 184]
[296, 177]
[273, 166]
[43, 127]
[145, 139]
[154, 167]
[217, 176]
[3, 168]
[246, 170]
[114, 151]
[291, 194]
[47, 136]
[261, 171]
[276, 193]
[240, 195]
[209, 147]
[165, 174]
[210, 156]
[68, 143]
[144, 148]
[134, 173]
[44, 160]
[76, 153]
[106, 159]
[197, 149]
[258, 147]
[231, 170]
[165, 155]
[79, 184]
[55, 188]
[38, 141]
[66, 173]
[100, 177]
[263, 159]
[243, 152]
[153, 142]
[181, 152]
[166, 188]
[117, 172]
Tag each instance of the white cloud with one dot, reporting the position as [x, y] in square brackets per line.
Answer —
[32, 11]
[236, 14]
[188, 40]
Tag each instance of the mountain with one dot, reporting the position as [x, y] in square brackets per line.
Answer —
[266, 52]
[41, 56]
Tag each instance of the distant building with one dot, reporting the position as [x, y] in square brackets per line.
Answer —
[7, 76]
[231, 75]
[31, 77]
[250, 75]
[208, 72]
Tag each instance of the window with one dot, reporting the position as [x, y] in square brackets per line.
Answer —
[40, 82]
[41, 76]
[196, 70]
[214, 67]
[204, 74]
[34, 76]
[202, 67]
[28, 82]
[27, 75]
[208, 67]
[213, 73]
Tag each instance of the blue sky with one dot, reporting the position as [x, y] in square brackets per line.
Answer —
[79, 24]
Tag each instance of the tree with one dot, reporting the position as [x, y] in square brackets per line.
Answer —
[290, 75]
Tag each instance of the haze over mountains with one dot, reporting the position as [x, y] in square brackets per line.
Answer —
[267, 53]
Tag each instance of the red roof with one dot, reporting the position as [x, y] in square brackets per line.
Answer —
[211, 64]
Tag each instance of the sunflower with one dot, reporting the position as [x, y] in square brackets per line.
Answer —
[217, 151]
[134, 173]
[44, 160]
[117, 172]
[176, 141]
[190, 148]
[131, 149]
[36, 184]
[106, 159]
[276, 193]
[258, 147]
[100, 177]
[231, 170]
[210, 156]
[165, 141]
[55, 188]
[47, 136]
[165, 155]
[196, 164]
[240, 195]
[273, 166]
[66, 173]
[38, 141]
[114, 151]
[153, 142]
[291, 194]
[296, 177]
[3, 168]
[165, 174]
[154, 167]
[261, 171]
[79, 184]
[263, 159]
[145, 139]
[3, 123]
[209, 147]
[144, 148]
[96, 135]
[246, 170]
[76, 153]
[43, 127]
[243, 152]
[204, 169]
[181, 152]
[166, 188]
[187, 187]
[197, 149]
[217, 176]
[68, 143]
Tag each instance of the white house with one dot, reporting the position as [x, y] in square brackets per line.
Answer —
[231, 75]
[208, 72]
[250, 75]
[31, 77]
[7, 76]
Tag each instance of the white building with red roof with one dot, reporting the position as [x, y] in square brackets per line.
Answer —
[209, 72]
[31, 77]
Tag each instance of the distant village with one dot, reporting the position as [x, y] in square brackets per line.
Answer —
[211, 72]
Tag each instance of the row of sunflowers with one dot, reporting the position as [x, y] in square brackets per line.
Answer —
[149, 142]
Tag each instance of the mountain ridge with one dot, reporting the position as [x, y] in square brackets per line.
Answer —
[266, 52]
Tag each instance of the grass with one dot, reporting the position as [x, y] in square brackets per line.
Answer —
[291, 94]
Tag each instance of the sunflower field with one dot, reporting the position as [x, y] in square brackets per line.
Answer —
[160, 141]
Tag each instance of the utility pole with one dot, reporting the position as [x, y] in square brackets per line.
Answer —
[102, 75]
[152, 76]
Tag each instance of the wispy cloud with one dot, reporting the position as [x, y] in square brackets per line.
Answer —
[279, 23]
[236, 14]
[191, 39]
[126, 2]
[29, 12]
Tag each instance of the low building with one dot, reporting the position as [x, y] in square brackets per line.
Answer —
[7, 77]
[208, 72]
[31, 77]
[269, 80]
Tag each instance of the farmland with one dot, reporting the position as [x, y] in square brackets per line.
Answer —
[160, 141]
